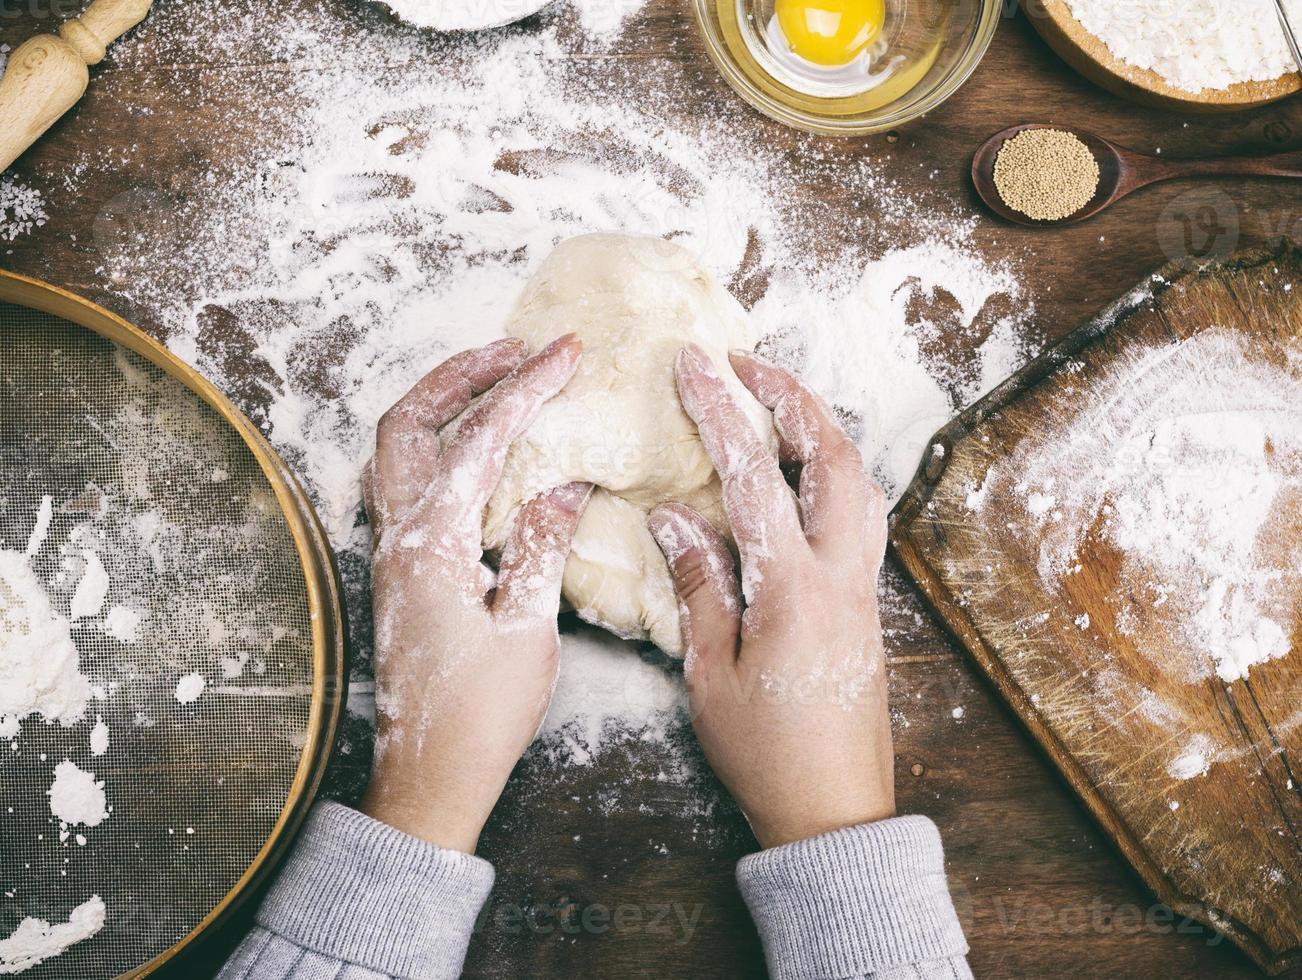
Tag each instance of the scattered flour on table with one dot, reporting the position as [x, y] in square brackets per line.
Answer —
[36, 940]
[397, 212]
[606, 692]
[1186, 461]
[860, 343]
[1194, 44]
[189, 687]
[76, 797]
[603, 21]
[39, 668]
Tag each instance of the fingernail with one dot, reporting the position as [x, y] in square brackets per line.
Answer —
[687, 374]
[685, 362]
[695, 373]
[699, 360]
[567, 340]
[766, 380]
[664, 525]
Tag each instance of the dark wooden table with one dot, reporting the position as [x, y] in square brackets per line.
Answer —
[607, 857]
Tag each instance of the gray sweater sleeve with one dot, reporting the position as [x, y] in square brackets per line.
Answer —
[865, 902]
[359, 900]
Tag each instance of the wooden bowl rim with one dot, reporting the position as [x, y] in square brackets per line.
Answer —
[1091, 48]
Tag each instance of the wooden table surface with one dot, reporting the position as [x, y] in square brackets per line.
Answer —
[635, 889]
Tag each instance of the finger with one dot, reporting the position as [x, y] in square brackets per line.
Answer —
[768, 384]
[756, 498]
[471, 463]
[705, 581]
[407, 437]
[838, 499]
[533, 561]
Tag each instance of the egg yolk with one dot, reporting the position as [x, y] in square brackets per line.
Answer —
[830, 33]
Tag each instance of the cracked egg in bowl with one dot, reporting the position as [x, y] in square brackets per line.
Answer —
[846, 67]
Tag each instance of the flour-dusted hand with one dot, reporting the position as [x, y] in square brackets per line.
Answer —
[465, 659]
[785, 671]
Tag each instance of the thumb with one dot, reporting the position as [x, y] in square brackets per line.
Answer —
[533, 561]
[705, 580]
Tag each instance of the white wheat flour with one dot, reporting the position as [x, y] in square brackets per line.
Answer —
[1193, 44]
[99, 737]
[1186, 462]
[36, 940]
[92, 587]
[123, 624]
[39, 668]
[76, 796]
[189, 687]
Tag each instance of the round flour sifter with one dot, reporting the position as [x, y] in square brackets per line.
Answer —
[146, 523]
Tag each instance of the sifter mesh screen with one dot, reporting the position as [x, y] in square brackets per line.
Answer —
[173, 503]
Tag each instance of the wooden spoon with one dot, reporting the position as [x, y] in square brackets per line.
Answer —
[1121, 172]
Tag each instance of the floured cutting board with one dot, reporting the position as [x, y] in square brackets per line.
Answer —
[1115, 534]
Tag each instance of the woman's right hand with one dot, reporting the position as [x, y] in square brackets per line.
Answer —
[786, 669]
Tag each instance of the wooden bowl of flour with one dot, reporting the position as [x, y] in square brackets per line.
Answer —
[1090, 56]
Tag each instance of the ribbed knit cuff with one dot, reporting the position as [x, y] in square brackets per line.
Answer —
[359, 890]
[853, 902]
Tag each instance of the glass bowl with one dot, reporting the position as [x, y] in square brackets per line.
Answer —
[936, 45]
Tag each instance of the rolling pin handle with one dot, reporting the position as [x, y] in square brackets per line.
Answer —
[88, 47]
[103, 23]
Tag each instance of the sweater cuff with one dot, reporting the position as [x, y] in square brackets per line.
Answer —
[359, 890]
[853, 902]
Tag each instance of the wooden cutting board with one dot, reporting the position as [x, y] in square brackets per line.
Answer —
[1095, 647]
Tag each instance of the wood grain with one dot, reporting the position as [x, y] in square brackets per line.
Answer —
[1116, 704]
[1092, 58]
[1041, 891]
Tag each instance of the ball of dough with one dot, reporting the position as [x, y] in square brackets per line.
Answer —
[634, 302]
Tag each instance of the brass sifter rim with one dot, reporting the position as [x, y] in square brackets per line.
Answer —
[320, 573]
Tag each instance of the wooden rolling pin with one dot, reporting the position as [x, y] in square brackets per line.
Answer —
[45, 76]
